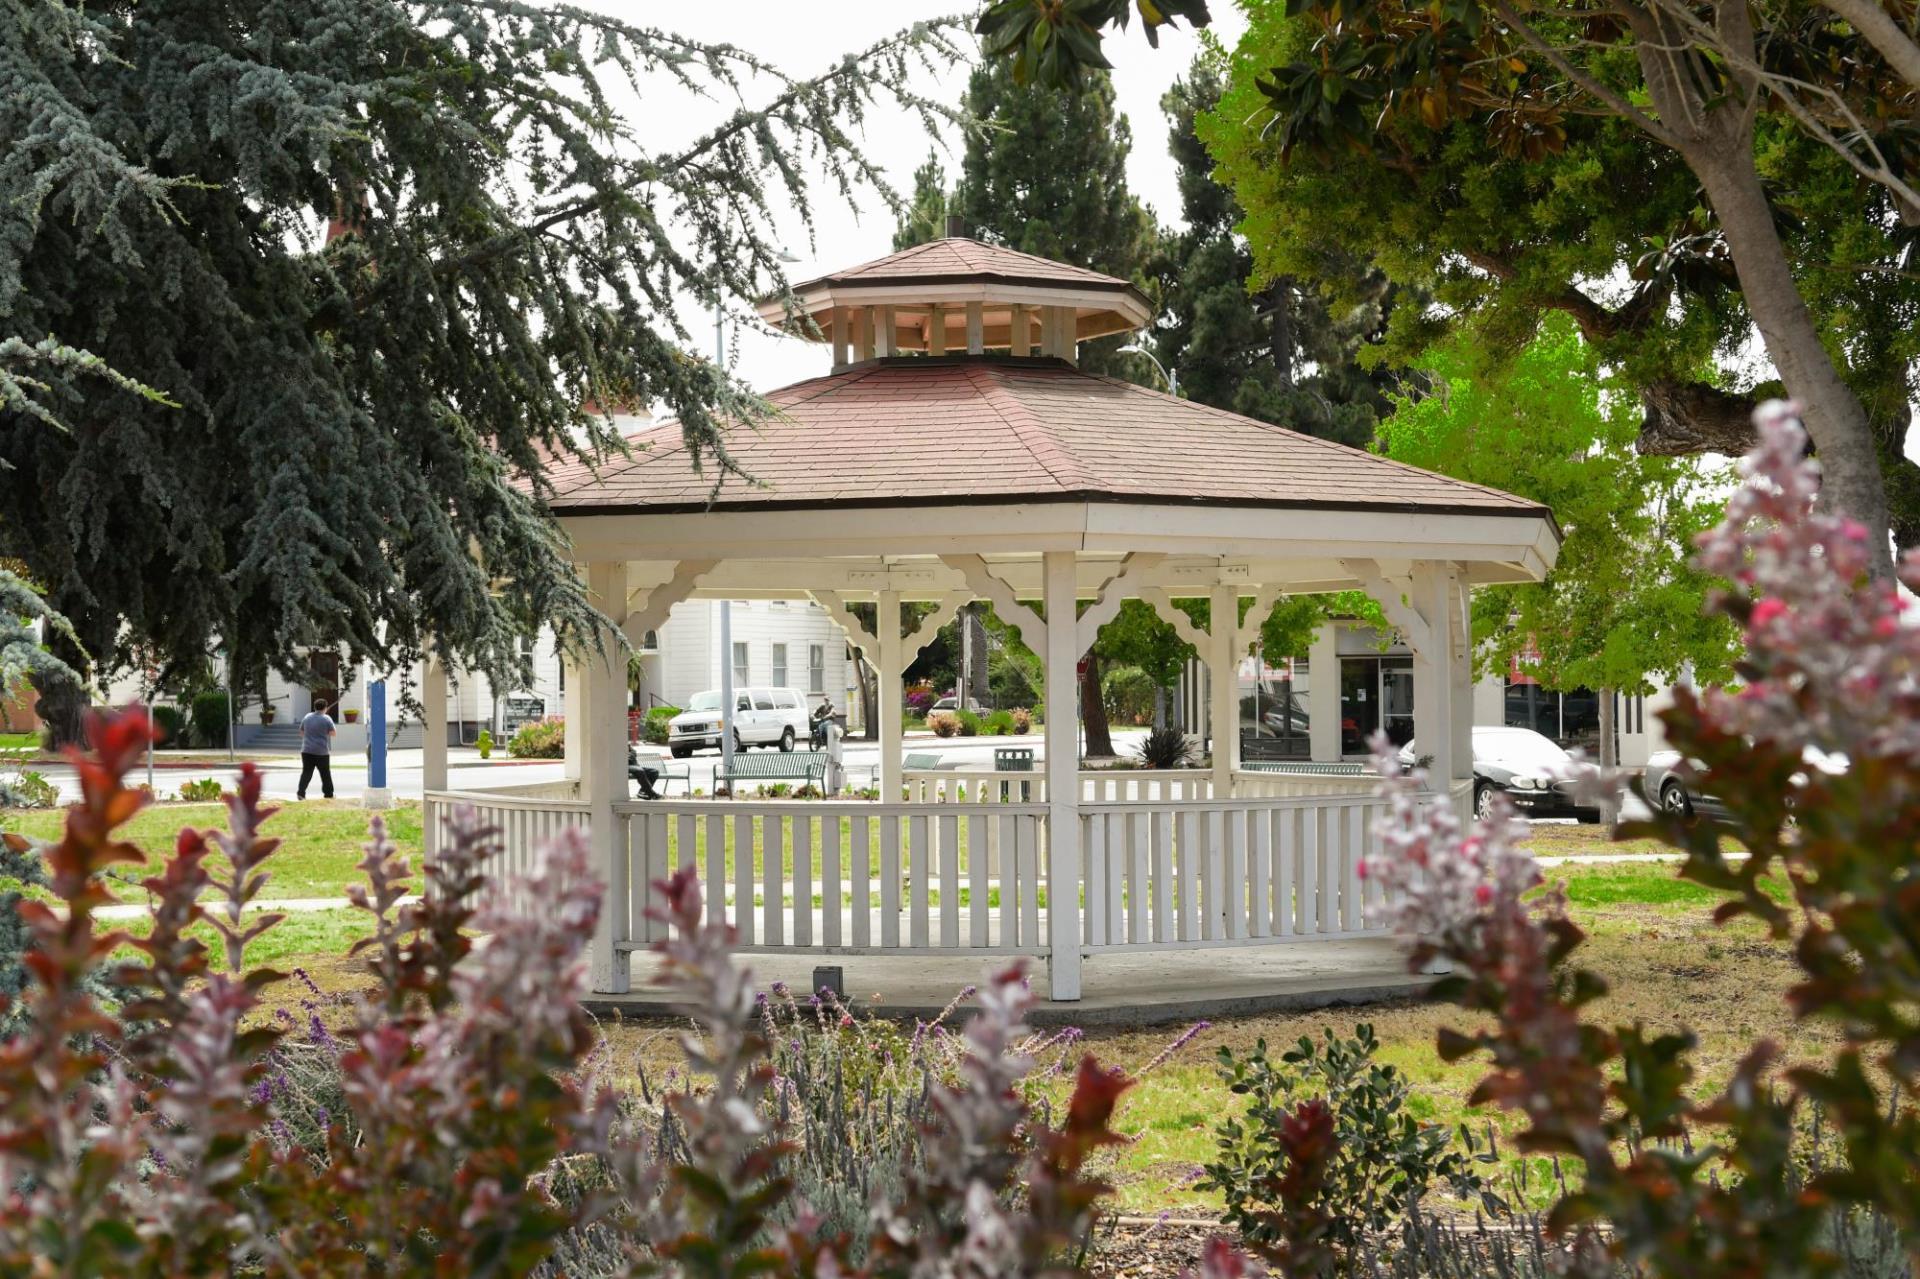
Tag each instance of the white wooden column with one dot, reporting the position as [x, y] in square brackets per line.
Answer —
[890, 669]
[1323, 694]
[1223, 685]
[1460, 673]
[1432, 690]
[604, 780]
[573, 719]
[433, 722]
[1063, 775]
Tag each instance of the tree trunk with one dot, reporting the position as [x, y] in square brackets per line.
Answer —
[1093, 709]
[869, 700]
[1159, 709]
[1834, 417]
[1282, 296]
[1684, 418]
[62, 703]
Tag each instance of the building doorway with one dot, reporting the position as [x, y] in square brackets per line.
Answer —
[323, 682]
[1375, 693]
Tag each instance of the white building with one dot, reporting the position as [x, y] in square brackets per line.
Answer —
[780, 643]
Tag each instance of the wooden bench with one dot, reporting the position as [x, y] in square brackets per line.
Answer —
[778, 766]
[1013, 759]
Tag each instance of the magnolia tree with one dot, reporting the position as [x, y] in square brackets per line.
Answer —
[1671, 1184]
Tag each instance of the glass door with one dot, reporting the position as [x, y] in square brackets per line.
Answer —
[1359, 703]
[1396, 699]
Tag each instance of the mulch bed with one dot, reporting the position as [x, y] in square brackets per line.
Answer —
[1138, 1247]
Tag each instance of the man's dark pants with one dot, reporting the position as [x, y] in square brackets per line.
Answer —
[308, 762]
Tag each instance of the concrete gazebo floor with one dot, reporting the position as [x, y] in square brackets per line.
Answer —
[1139, 989]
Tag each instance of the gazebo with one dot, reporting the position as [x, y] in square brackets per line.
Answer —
[956, 452]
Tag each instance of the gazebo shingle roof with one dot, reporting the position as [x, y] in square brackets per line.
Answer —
[959, 259]
[971, 430]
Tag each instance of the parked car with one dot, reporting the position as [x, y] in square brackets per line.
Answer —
[1669, 782]
[761, 717]
[951, 704]
[1524, 765]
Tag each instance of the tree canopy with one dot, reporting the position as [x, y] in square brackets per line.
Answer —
[302, 297]
[1623, 605]
[1281, 351]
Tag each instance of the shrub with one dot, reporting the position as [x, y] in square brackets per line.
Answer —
[213, 1141]
[26, 788]
[172, 723]
[1382, 1162]
[205, 790]
[1166, 748]
[1680, 1183]
[969, 722]
[919, 697]
[944, 724]
[1128, 693]
[542, 739]
[484, 743]
[653, 729]
[208, 718]
[999, 724]
[1022, 719]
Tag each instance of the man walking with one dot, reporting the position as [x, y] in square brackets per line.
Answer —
[316, 750]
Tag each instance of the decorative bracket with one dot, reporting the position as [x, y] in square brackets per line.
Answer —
[1033, 631]
[1176, 618]
[656, 603]
[1394, 595]
[857, 635]
[1248, 632]
[1106, 604]
[930, 625]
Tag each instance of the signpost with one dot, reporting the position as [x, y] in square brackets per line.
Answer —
[377, 794]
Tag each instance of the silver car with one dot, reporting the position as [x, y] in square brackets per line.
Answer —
[1671, 782]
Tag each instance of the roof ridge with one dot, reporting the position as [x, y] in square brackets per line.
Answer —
[1323, 442]
[1041, 444]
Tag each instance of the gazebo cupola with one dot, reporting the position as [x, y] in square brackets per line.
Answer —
[958, 296]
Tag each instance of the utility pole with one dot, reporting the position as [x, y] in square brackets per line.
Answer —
[726, 605]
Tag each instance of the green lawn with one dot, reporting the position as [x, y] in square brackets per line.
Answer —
[19, 741]
[320, 840]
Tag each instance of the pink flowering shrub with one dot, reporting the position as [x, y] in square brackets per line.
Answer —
[1673, 1185]
[465, 1129]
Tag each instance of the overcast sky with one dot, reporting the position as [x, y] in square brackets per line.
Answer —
[794, 37]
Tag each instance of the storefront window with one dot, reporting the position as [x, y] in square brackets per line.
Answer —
[1273, 709]
[1375, 693]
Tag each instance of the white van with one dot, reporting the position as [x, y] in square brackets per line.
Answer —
[761, 717]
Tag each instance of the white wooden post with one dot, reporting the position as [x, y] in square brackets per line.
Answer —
[1223, 684]
[1460, 673]
[433, 722]
[936, 330]
[573, 709]
[976, 329]
[887, 335]
[604, 782]
[1019, 338]
[1432, 690]
[1323, 694]
[889, 669]
[839, 328]
[1063, 776]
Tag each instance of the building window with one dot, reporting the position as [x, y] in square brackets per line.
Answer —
[650, 643]
[816, 668]
[779, 665]
[741, 673]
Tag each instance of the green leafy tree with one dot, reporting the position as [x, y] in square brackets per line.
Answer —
[1280, 351]
[303, 297]
[1623, 605]
[1755, 138]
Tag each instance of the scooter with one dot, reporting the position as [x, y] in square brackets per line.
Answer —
[817, 734]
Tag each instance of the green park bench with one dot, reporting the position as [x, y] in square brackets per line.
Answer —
[920, 762]
[1305, 768]
[779, 766]
[664, 774]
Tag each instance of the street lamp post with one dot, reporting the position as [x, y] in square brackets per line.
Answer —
[1170, 376]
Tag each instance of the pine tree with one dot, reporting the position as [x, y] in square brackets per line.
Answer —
[304, 294]
[1279, 353]
[1046, 173]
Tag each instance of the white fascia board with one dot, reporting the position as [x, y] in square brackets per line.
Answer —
[1301, 544]
[907, 293]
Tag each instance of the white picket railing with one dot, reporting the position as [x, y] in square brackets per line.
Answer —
[1226, 872]
[848, 876]
[526, 823]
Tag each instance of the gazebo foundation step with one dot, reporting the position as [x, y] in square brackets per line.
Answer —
[1117, 989]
